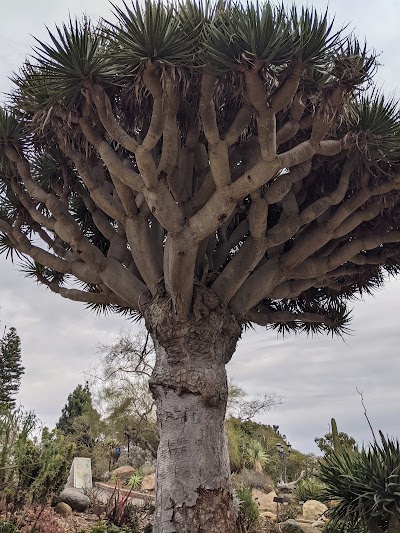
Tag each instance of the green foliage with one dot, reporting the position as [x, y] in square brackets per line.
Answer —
[309, 489]
[365, 484]
[248, 520]
[135, 481]
[289, 512]
[78, 401]
[81, 423]
[234, 445]
[335, 440]
[7, 527]
[120, 511]
[11, 369]
[255, 455]
[31, 472]
[122, 391]
[241, 438]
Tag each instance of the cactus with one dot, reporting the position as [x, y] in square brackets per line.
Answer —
[337, 446]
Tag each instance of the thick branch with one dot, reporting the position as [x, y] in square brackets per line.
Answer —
[284, 317]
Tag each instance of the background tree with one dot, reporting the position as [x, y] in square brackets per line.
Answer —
[11, 369]
[80, 421]
[32, 469]
[327, 443]
[243, 407]
[121, 381]
[204, 167]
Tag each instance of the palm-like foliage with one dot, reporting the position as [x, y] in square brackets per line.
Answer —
[58, 70]
[366, 485]
[150, 32]
[179, 42]
[255, 455]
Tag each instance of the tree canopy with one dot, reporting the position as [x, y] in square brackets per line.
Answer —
[11, 369]
[241, 148]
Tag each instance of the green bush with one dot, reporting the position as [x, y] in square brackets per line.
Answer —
[248, 520]
[366, 487]
[309, 489]
[31, 471]
[7, 527]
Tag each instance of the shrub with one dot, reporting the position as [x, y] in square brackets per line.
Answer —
[7, 527]
[121, 511]
[252, 480]
[35, 471]
[248, 519]
[48, 523]
[309, 489]
[135, 481]
[366, 485]
[147, 469]
[289, 511]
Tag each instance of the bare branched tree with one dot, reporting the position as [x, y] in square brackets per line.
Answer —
[121, 381]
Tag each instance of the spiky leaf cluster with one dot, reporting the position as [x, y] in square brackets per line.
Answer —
[365, 485]
[206, 90]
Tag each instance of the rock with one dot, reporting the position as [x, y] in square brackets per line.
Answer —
[63, 509]
[265, 501]
[74, 498]
[269, 515]
[313, 509]
[123, 472]
[291, 526]
[149, 482]
[318, 523]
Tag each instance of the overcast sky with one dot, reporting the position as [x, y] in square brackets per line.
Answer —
[317, 377]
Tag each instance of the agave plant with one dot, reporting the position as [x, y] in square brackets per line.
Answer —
[365, 485]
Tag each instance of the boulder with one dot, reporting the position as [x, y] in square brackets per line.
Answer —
[318, 523]
[63, 509]
[265, 501]
[291, 526]
[74, 498]
[149, 482]
[123, 472]
[269, 515]
[313, 509]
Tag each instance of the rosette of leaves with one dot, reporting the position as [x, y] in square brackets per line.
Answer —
[135, 481]
[366, 486]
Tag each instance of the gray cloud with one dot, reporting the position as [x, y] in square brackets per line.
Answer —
[317, 377]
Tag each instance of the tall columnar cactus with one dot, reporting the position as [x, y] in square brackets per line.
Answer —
[337, 446]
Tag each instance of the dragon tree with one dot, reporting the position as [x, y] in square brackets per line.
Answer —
[205, 167]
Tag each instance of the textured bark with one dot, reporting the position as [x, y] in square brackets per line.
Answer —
[189, 384]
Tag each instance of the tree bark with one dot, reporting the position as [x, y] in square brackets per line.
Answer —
[189, 384]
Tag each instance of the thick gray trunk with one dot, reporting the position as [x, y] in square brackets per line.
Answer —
[193, 491]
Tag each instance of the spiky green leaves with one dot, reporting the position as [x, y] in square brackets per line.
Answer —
[376, 126]
[366, 485]
[312, 36]
[11, 127]
[76, 54]
[312, 312]
[153, 32]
